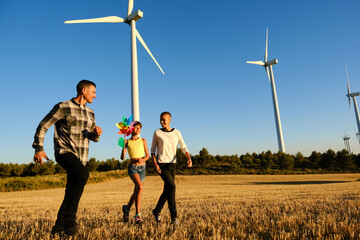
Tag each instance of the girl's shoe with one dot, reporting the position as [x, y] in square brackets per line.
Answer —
[125, 213]
[138, 219]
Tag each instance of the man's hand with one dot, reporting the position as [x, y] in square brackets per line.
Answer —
[158, 169]
[189, 163]
[97, 131]
[38, 157]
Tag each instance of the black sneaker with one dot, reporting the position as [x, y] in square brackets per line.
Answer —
[125, 213]
[71, 229]
[157, 216]
[57, 229]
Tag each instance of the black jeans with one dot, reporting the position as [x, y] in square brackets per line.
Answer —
[168, 171]
[77, 176]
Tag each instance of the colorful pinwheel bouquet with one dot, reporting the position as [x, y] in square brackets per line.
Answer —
[126, 128]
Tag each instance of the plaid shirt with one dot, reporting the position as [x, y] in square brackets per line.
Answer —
[74, 124]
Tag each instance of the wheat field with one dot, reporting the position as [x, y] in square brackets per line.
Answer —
[209, 207]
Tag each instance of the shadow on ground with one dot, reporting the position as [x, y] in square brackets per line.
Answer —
[286, 183]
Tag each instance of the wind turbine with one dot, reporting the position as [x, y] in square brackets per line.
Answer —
[130, 19]
[352, 96]
[268, 67]
[346, 142]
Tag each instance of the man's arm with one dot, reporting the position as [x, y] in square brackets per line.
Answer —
[189, 162]
[155, 163]
[153, 150]
[185, 150]
[52, 117]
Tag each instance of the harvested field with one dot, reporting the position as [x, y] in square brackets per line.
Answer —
[209, 207]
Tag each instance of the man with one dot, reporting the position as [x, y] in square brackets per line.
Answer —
[74, 126]
[165, 142]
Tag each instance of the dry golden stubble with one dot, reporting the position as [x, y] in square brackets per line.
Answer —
[209, 207]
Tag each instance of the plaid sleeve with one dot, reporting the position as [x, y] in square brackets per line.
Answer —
[92, 136]
[51, 118]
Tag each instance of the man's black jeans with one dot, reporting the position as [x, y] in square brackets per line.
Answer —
[168, 171]
[77, 176]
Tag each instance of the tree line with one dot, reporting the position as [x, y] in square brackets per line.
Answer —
[205, 163]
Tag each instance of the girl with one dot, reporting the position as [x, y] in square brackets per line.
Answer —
[139, 154]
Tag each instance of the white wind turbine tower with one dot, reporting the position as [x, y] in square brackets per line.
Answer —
[268, 67]
[130, 19]
[352, 96]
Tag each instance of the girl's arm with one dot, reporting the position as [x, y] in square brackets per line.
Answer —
[123, 152]
[147, 156]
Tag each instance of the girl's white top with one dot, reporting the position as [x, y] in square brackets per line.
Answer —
[164, 145]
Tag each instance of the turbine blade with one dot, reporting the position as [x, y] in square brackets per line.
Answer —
[268, 73]
[148, 50]
[266, 47]
[110, 19]
[130, 7]
[348, 85]
[347, 77]
[256, 62]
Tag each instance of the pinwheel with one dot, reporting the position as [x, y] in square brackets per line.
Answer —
[126, 128]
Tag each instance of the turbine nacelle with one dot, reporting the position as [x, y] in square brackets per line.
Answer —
[271, 62]
[134, 16]
[353, 94]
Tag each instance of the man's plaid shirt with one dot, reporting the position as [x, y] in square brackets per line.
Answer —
[74, 125]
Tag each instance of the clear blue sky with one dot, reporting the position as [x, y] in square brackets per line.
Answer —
[217, 100]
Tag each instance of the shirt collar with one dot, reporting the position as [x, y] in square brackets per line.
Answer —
[76, 103]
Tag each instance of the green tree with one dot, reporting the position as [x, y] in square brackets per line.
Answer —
[16, 169]
[268, 160]
[314, 160]
[286, 161]
[328, 160]
[109, 164]
[247, 160]
[92, 164]
[5, 170]
[300, 161]
[344, 161]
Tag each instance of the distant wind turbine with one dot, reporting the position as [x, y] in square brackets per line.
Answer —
[352, 96]
[130, 19]
[268, 67]
[346, 142]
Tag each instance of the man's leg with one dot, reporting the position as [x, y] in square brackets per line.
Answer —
[172, 188]
[77, 176]
[169, 186]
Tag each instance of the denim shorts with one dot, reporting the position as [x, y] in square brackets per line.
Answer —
[134, 169]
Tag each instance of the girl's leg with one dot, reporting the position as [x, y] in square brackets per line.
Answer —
[132, 199]
[137, 191]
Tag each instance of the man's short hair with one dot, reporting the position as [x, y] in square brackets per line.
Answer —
[83, 84]
[165, 113]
